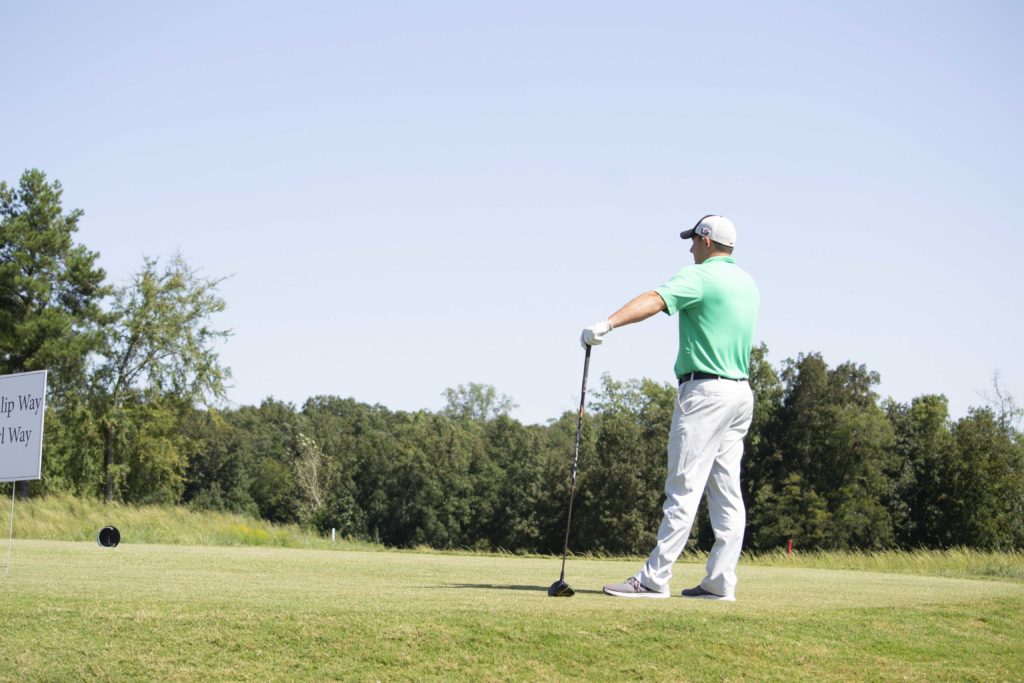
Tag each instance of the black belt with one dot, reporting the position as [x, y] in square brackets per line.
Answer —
[704, 375]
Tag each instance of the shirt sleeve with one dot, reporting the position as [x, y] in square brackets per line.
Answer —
[684, 290]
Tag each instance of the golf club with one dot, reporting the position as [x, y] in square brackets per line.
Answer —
[560, 589]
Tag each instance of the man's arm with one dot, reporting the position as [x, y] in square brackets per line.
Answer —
[640, 308]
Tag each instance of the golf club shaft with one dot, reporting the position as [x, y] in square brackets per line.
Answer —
[575, 459]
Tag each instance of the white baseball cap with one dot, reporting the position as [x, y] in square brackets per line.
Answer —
[717, 228]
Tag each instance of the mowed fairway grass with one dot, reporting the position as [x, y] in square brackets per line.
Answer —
[75, 611]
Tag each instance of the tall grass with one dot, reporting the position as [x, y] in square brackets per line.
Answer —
[956, 563]
[66, 518]
[952, 563]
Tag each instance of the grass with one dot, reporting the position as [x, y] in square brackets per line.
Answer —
[66, 518]
[952, 563]
[75, 611]
[192, 595]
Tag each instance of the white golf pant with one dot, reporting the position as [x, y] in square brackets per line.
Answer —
[705, 447]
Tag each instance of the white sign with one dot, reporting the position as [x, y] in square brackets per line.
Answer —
[22, 405]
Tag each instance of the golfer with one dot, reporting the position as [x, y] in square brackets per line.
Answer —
[717, 303]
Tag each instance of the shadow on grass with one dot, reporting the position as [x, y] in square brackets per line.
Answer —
[511, 587]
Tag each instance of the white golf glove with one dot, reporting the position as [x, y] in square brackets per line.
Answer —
[594, 335]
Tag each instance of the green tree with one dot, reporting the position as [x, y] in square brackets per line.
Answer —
[925, 448]
[152, 449]
[50, 307]
[557, 441]
[763, 468]
[620, 489]
[429, 484]
[263, 441]
[476, 402]
[161, 348]
[987, 482]
[73, 447]
[50, 288]
[786, 510]
[220, 468]
[336, 426]
[515, 485]
[832, 432]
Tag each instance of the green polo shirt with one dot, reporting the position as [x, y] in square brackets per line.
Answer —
[717, 304]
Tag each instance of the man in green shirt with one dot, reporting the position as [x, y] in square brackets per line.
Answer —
[717, 303]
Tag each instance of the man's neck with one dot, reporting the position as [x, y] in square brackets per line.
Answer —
[713, 255]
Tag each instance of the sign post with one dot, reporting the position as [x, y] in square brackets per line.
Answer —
[22, 408]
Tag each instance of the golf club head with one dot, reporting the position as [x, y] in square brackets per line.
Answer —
[560, 589]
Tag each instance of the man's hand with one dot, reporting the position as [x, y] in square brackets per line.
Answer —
[594, 335]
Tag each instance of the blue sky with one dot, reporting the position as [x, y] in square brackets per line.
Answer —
[410, 196]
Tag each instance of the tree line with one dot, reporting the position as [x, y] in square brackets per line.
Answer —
[136, 413]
